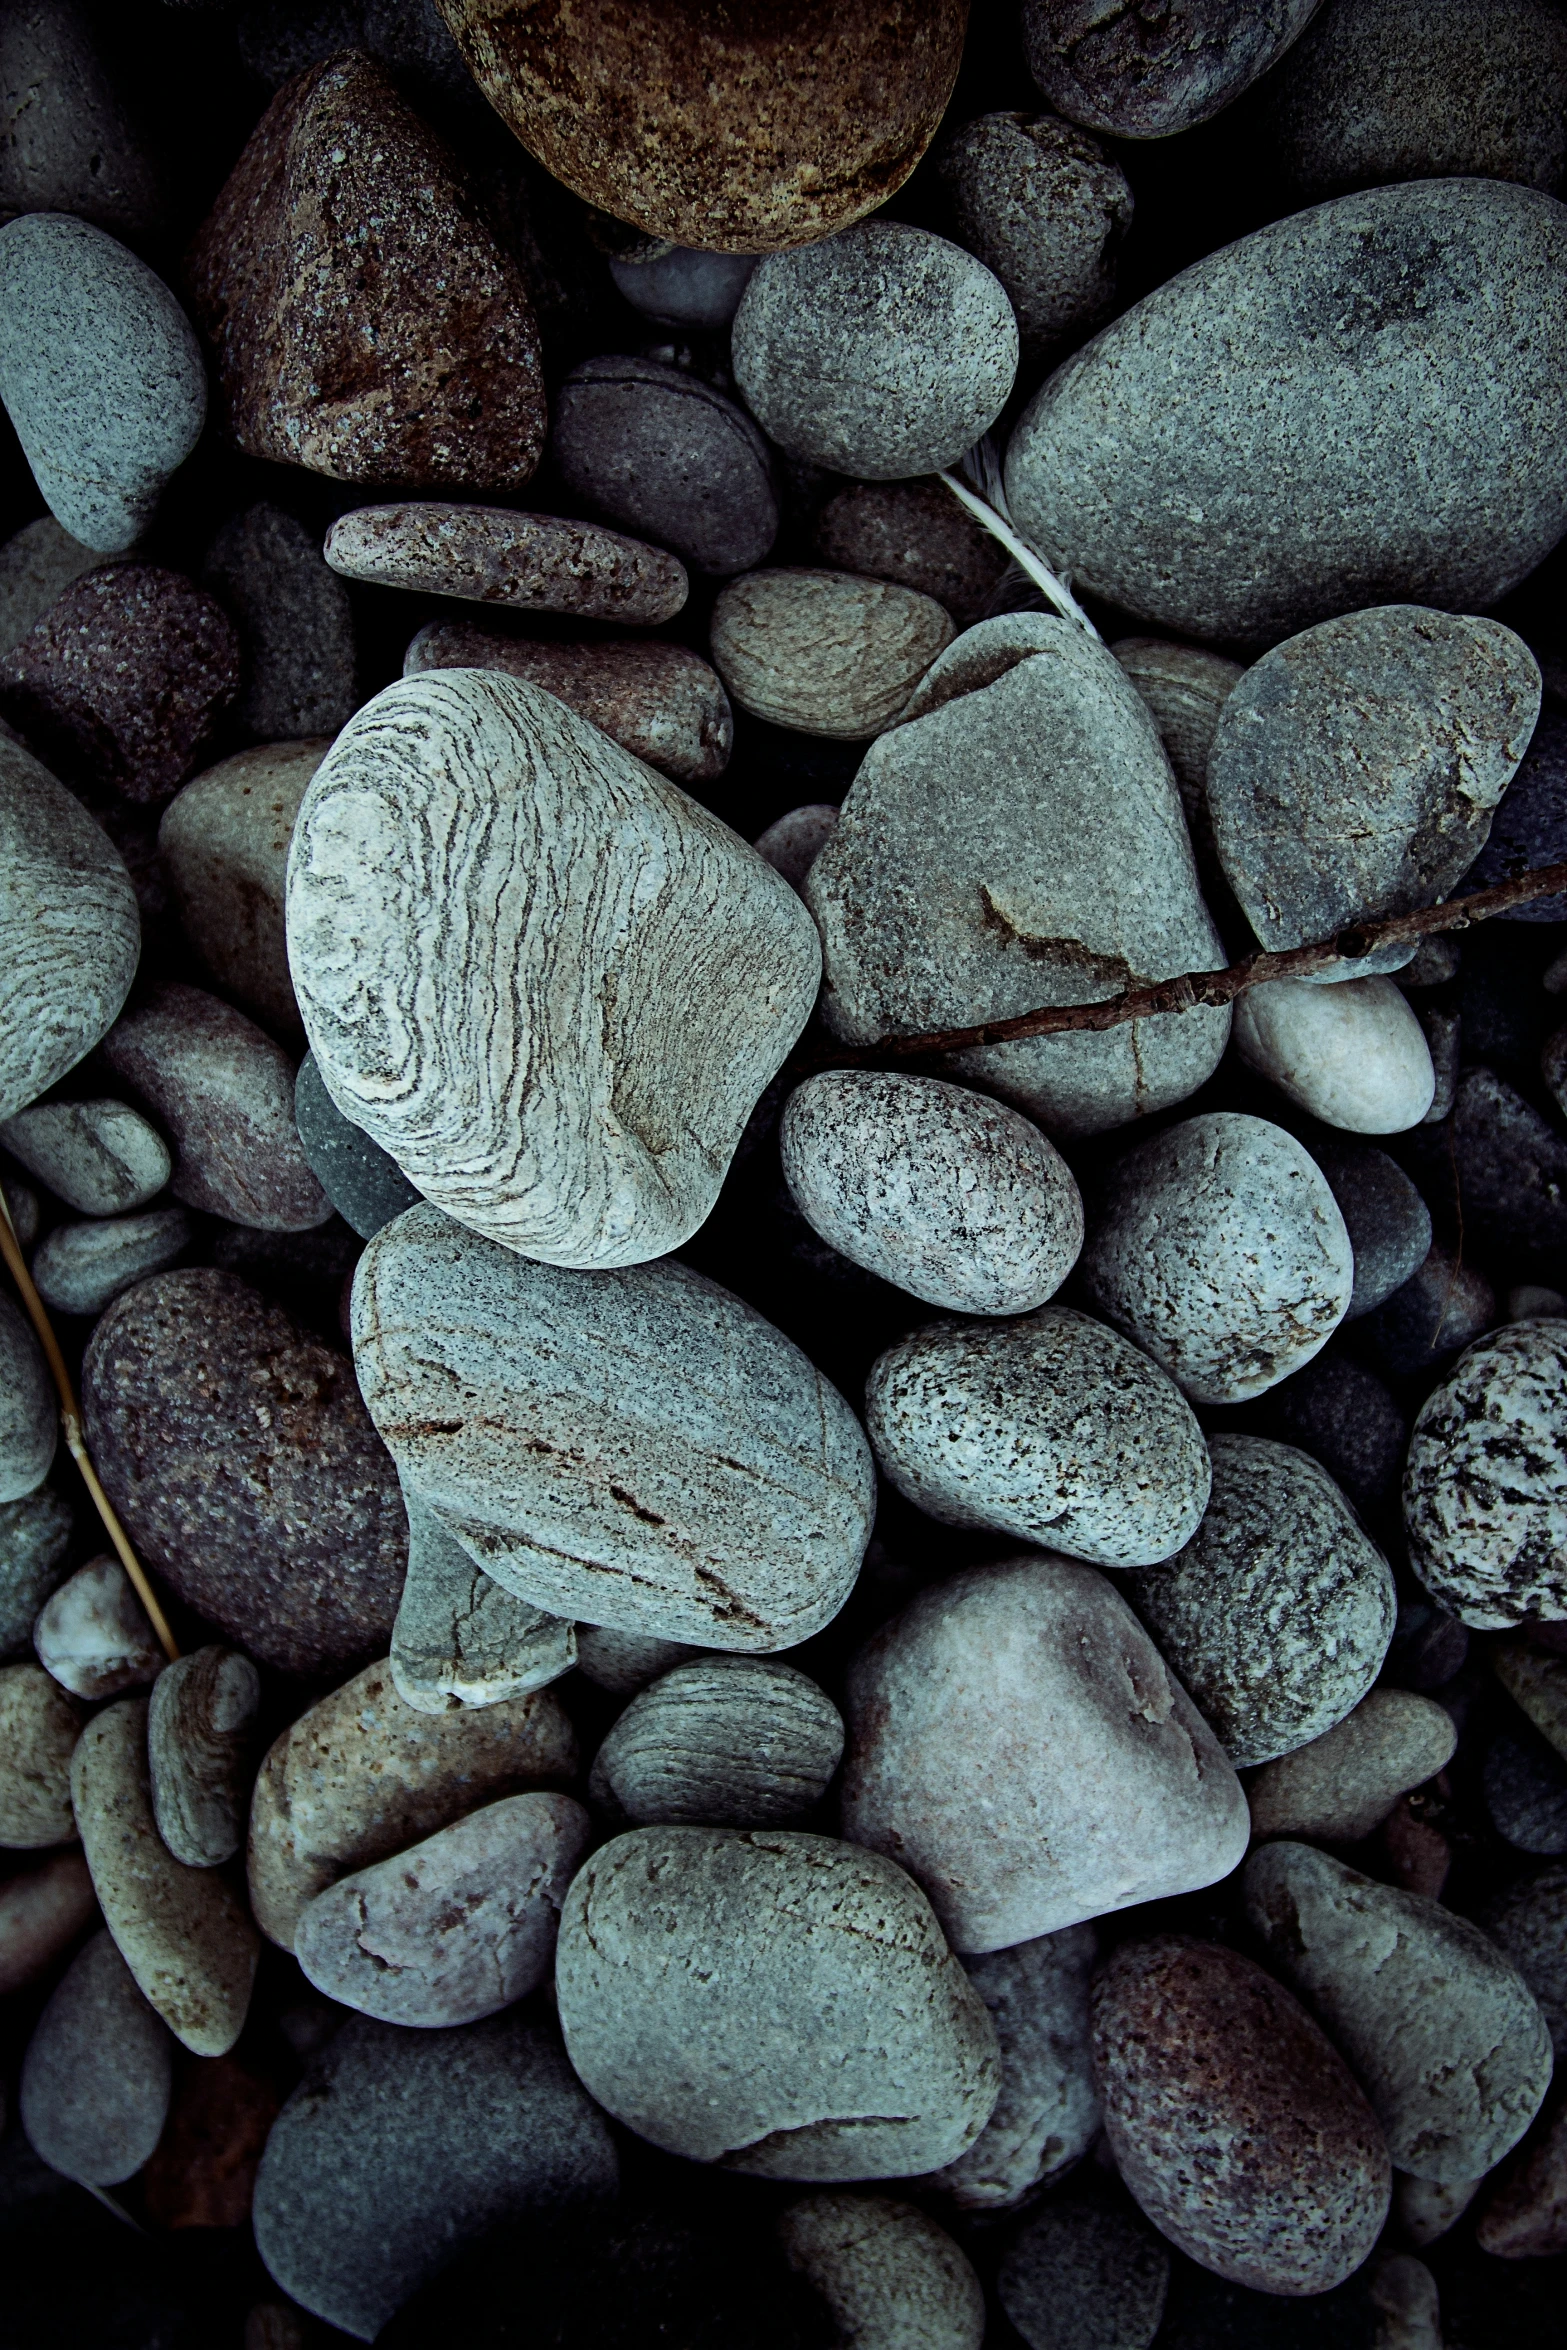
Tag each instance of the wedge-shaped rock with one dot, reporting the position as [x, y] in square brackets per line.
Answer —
[460, 1637]
[534, 971]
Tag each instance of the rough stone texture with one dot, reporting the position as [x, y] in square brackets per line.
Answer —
[42, 1911]
[100, 375]
[1441, 1307]
[74, 137]
[1186, 688]
[101, 1157]
[1016, 1742]
[184, 1933]
[98, 2072]
[39, 1726]
[660, 701]
[461, 1638]
[677, 286]
[35, 1538]
[399, 2148]
[1220, 1249]
[822, 652]
[624, 1662]
[1047, 210]
[1016, 840]
[673, 121]
[295, 622]
[37, 563]
[1500, 1167]
[238, 1453]
[778, 2002]
[1084, 2276]
[201, 1741]
[1236, 2125]
[80, 1268]
[533, 1094]
[69, 930]
[94, 1635]
[883, 352]
[1278, 1613]
[1485, 1488]
[366, 321]
[1144, 74]
[1317, 417]
[1047, 2115]
[657, 450]
[203, 2174]
[364, 1185]
[361, 1776]
[916, 534]
[1343, 1784]
[1537, 1682]
[29, 1421]
[490, 555]
[1388, 1223]
[890, 2277]
[724, 1742]
[793, 844]
[454, 1927]
[727, 1501]
[1525, 1787]
[123, 681]
[1353, 1055]
[941, 1191]
[1525, 2214]
[224, 846]
[1443, 2033]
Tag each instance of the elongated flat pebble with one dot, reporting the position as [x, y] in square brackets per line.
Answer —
[488, 555]
[1353, 1055]
[42, 1911]
[94, 1635]
[101, 1157]
[656, 449]
[1485, 1486]
[890, 2277]
[725, 1742]
[823, 652]
[1338, 1787]
[460, 1637]
[200, 1746]
[1052, 1427]
[1084, 2276]
[35, 1538]
[454, 1927]
[1047, 2115]
[29, 1417]
[98, 2072]
[80, 1268]
[223, 843]
[39, 1727]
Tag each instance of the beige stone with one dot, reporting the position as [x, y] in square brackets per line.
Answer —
[224, 844]
[823, 652]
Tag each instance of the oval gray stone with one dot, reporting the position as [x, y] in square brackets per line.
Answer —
[98, 2072]
[295, 622]
[78, 141]
[1085, 2276]
[460, 1637]
[675, 286]
[890, 2277]
[94, 1636]
[29, 1415]
[43, 1910]
[35, 1538]
[1485, 1482]
[822, 652]
[1528, 1924]
[1047, 2115]
[39, 1727]
[1144, 73]
[81, 1268]
[491, 555]
[722, 1742]
[101, 1157]
[1388, 1223]
[200, 1751]
[662, 453]
[363, 1182]
[1342, 1785]
[1047, 209]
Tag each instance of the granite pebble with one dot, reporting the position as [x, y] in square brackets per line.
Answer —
[461, 1638]
[720, 1742]
[1047, 209]
[93, 1635]
[1484, 1483]
[201, 1738]
[1047, 2115]
[1084, 2276]
[295, 624]
[39, 1726]
[490, 555]
[1340, 1786]
[1353, 1055]
[101, 1157]
[223, 843]
[98, 2072]
[823, 652]
[666, 456]
[891, 2278]
[81, 1268]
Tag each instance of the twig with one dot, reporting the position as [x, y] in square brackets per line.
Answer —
[71, 1422]
[991, 509]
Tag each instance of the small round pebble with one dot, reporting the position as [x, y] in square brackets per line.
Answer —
[42, 1911]
[660, 452]
[823, 652]
[1426, 2210]
[363, 1182]
[890, 2277]
[1528, 1924]
[200, 1746]
[1353, 1055]
[1388, 1223]
[793, 844]
[917, 534]
[35, 1537]
[1338, 1787]
[1485, 1488]
[29, 1414]
[81, 1268]
[98, 2072]
[39, 1727]
[1047, 208]
[94, 1636]
[487, 555]
[101, 1157]
[724, 1742]
[1047, 2115]
[1084, 2276]
[1443, 1306]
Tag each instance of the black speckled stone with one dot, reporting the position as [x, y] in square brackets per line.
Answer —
[362, 1181]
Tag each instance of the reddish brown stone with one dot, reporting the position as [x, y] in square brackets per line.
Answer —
[1416, 1850]
[1525, 2214]
[367, 322]
[204, 2171]
[486, 555]
[121, 683]
[916, 533]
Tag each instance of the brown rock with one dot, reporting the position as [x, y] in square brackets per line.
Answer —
[824, 652]
[42, 1911]
[366, 321]
[486, 555]
[39, 1726]
[224, 1093]
[1234, 2122]
[1525, 2215]
[243, 1462]
[744, 130]
[1416, 1854]
[122, 682]
[204, 2170]
[915, 533]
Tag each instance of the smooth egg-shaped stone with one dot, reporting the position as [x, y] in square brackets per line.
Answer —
[887, 2273]
[98, 2072]
[101, 1157]
[94, 1635]
[663, 454]
[1485, 1483]
[81, 1268]
[1316, 417]
[200, 1751]
[823, 652]
[1146, 73]
[721, 1742]
[1353, 1055]
[1346, 1782]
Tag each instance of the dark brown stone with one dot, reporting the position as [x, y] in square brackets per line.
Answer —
[204, 2171]
[486, 555]
[121, 684]
[366, 321]
[1146, 72]
[916, 533]
[240, 1456]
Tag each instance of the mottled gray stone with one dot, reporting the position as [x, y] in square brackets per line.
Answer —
[1047, 209]
[1051, 1427]
[1085, 2276]
[722, 1742]
[1017, 840]
[675, 286]
[223, 843]
[94, 1635]
[1220, 1249]
[1444, 1305]
[295, 623]
[1047, 2115]
[1144, 73]
[728, 1501]
[941, 1191]
[100, 372]
[363, 1182]
[399, 2148]
[490, 555]
[101, 1157]
[1528, 1924]
[29, 1414]
[1485, 1487]
[1345, 1783]
[37, 564]
[98, 2072]
[624, 1662]
[201, 1726]
[1353, 1055]
[39, 1726]
[663, 454]
[1186, 687]
[1443, 2033]
[891, 2279]
[1388, 1223]
[460, 1637]
[823, 652]
[42, 1911]
[777, 2002]
[793, 844]
[1315, 417]
[35, 1537]
[80, 1268]
[917, 533]
[994, 1751]
[883, 351]
[1278, 1613]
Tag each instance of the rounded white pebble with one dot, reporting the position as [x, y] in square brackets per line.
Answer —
[1353, 1055]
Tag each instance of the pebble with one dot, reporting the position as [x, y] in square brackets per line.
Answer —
[663, 454]
[1047, 2115]
[1403, 2294]
[1166, 468]
[98, 2072]
[793, 844]
[1278, 1612]
[943, 1192]
[823, 652]
[454, 1927]
[101, 375]
[1186, 688]
[101, 1157]
[361, 1776]
[891, 2278]
[461, 1638]
[201, 1726]
[1084, 2276]
[684, 977]
[39, 1726]
[123, 682]
[236, 1449]
[1525, 1787]
[1238, 2128]
[1441, 2031]
[1524, 2216]
[80, 1268]
[29, 1416]
[1537, 1683]
[1443, 1306]
[624, 1662]
[1485, 1489]
[295, 623]
[35, 1538]
[366, 321]
[77, 141]
[1343, 1784]
[1059, 869]
[364, 1184]
[66, 976]
[1051, 1427]
[1388, 1223]
[916, 534]
[398, 2149]
[37, 563]
[882, 352]
[1147, 75]
[728, 1502]
[42, 1911]
[1047, 209]
[1528, 1924]
[528, 562]
[184, 1933]
[677, 286]
[94, 1635]
[203, 2174]
[1425, 2210]
[721, 1742]
[1507, 1167]
[1530, 826]
[1220, 1249]
[1353, 1055]
[224, 846]
[777, 2002]
[660, 701]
